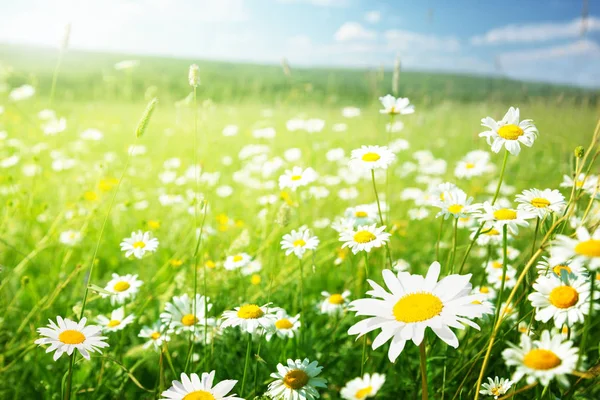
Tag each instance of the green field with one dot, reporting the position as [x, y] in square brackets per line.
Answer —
[42, 278]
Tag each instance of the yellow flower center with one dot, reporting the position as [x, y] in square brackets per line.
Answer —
[496, 264]
[539, 202]
[492, 232]
[589, 248]
[510, 132]
[296, 177]
[237, 258]
[113, 322]
[564, 297]
[364, 237]
[155, 335]
[495, 391]
[295, 379]
[541, 359]
[362, 393]
[579, 184]
[139, 245]
[199, 395]
[559, 268]
[283, 323]
[71, 337]
[505, 214]
[417, 307]
[255, 279]
[189, 320]
[455, 208]
[336, 299]
[121, 286]
[250, 311]
[360, 214]
[371, 157]
[484, 289]
[299, 243]
[469, 165]
[210, 264]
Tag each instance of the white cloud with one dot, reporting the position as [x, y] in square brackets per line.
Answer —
[580, 47]
[353, 31]
[373, 17]
[400, 40]
[537, 32]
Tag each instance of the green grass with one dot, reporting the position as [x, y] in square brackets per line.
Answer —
[41, 278]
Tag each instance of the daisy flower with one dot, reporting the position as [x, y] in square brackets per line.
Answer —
[364, 214]
[117, 320]
[297, 177]
[138, 244]
[583, 250]
[414, 304]
[236, 261]
[565, 303]
[496, 387]
[509, 132]
[555, 266]
[122, 288]
[499, 217]
[364, 238]
[200, 388]
[285, 326]
[70, 237]
[334, 303]
[510, 279]
[370, 158]
[65, 336]
[541, 202]
[581, 182]
[542, 360]
[157, 335]
[296, 380]
[487, 292]
[362, 388]
[393, 106]
[455, 204]
[250, 318]
[298, 242]
[179, 313]
[475, 163]
[487, 236]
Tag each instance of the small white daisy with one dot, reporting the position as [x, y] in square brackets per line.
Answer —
[487, 236]
[123, 288]
[179, 313]
[250, 318]
[200, 388]
[298, 242]
[509, 132]
[334, 303]
[554, 266]
[541, 202]
[495, 278]
[285, 326]
[499, 216]
[236, 261]
[157, 334]
[455, 204]
[65, 336]
[139, 244]
[393, 106]
[586, 183]
[297, 177]
[70, 237]
[565, 303]
[117, 320]
[542, 360]
[496, 387]
[364, 238]
[371, 157]
[583, 250]
[296, 380]
[362, 388]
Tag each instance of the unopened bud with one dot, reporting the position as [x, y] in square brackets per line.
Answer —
[284, 215]
[194, 75]
[579, 151]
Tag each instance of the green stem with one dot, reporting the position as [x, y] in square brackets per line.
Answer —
[439, 239]
[588, 320]
[364, 347]
[454, 245]
[55, 76]
[464, 260]
[504, 265]
[423, 357]
[501, 177]
[302, 319]
[70, 377]
[248, 349]
[387, 248]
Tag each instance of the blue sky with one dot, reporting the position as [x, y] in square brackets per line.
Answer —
[524, 39]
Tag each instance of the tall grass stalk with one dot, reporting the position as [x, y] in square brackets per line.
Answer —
[387, 248]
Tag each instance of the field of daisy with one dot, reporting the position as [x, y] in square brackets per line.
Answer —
[295, 239]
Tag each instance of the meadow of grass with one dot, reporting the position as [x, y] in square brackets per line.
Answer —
[42, 277]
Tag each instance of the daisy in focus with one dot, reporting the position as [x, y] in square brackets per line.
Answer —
[200, 388]
[393, 106]
[509, 132]
[157, 334]
[362, 388]
[334, 303]
[117, 320]
[553, 299]
[122, 288]
[179, 313]
[415, 303]
[498, 216]
[496, 387]
[371, 157]
[65, 336]
[542, 360]
[297, 177]
[285, 326]
[139, 244]
[364, 238]
[541, 202]
[296, 380]
[298, 241]
[583, 250]
[250, 318]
